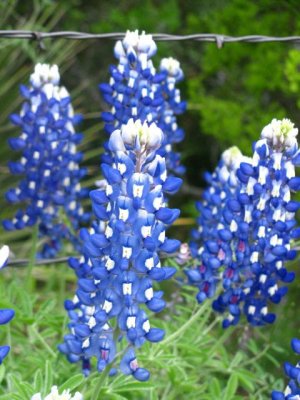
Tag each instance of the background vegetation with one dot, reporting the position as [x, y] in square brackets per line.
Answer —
[231, 93]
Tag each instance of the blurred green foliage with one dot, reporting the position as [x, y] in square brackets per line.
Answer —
[231, 93]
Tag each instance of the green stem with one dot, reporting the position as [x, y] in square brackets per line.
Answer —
[32, 258]
[8, 340]
[257, 357]
[99, 386]
[189, 322]
[42, 340]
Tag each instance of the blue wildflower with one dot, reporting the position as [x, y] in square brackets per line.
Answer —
[292, 391]
[205, 245]
[250, 241]
[170, 108]
[120, 260]
[6, 315]
[49, 163]
[136, 90]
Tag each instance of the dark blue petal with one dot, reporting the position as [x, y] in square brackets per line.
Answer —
[294, 183]
[172, 185]
[277, 395]
[6, 316]
[141, 374]
[295, 343]
[4, 350]
[155, 335]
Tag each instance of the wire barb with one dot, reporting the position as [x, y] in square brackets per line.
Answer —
[219, 39]
[38, 37]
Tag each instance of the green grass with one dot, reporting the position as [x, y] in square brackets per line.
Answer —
[196, 360]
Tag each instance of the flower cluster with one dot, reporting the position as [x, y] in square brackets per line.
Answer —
[222, 184]
[137, 91]
[54, 395]
[292, 391]
[251, 242]
[120, 260]
[5, 315]
[49, 163]
[170, 73]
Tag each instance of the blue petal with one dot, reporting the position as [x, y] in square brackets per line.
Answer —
[82, 330]
[155, 335]
[291, 371]
[295, 343]
[6, 316]
[141, 374]
[112, 175]
[172, 184]
[170, 245]
[4, 350]
[278, 395]
[98, 196]
[294, 183]
[167, 215]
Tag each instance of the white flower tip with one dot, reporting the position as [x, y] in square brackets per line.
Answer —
[54, 395]
[171, 65]
[138, 42]
[4, 254]
[280, 133]
[43, 74]
[150, 136]
[131, 39]
[232, 157]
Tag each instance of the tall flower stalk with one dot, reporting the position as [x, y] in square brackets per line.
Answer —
[222, 185]
[249, 242]
[6, 315]
[292, 390]
[136, 90]
[50, 185]
[120, 264]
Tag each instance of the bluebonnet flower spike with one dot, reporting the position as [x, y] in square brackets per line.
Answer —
[292, 391]
[49, 165]
[136, 90]
[222, 184]
[251, 243]
[170, 108]
[120, 260]
[6, 315]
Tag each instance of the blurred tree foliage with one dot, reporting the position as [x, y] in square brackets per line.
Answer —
[232, 92]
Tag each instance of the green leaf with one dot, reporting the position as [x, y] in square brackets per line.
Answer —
[23, 388]
[38, 381]
[246, 380]
[2, 372]
[215, 388]
[48, 378]
[73, 382]
[231, 387]
[129, 387]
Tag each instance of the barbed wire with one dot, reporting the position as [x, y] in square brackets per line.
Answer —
[219, 39]
[24, 262]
